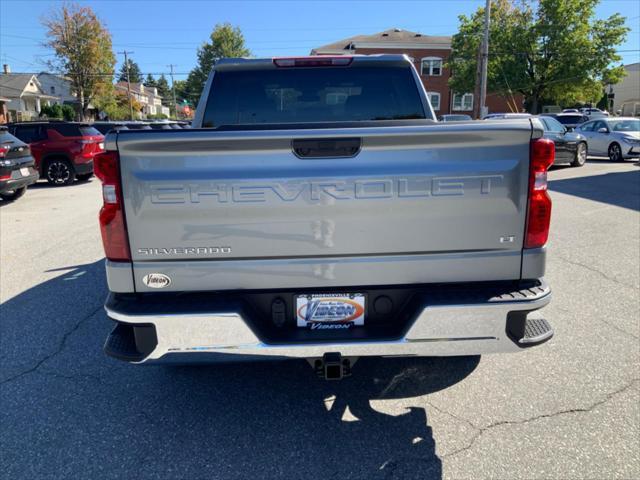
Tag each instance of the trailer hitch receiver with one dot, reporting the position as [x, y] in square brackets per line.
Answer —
[332, 366]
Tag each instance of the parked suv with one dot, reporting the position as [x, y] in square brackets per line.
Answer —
[16, 166]
[63, 151]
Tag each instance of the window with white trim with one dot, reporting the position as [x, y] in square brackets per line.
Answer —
[431, 66]
[434, 99]
[463, 102]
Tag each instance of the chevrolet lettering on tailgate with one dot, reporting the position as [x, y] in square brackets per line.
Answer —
[409, 187]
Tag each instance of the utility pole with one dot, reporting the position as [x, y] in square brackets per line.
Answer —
[126, 63]
[477, 110]
[173, 88]
[485, 60]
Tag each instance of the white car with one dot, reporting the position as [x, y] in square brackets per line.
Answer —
[615, 137]
[594, 113]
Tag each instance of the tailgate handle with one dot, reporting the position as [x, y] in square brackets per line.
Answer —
[326, 147]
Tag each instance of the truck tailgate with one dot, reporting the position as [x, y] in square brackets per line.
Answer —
[241, 210]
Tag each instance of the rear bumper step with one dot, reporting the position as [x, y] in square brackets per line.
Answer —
[439, 321]
[536, 331]
[121, 344]
[131, 343]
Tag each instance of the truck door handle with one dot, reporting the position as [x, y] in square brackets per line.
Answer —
[326, 147]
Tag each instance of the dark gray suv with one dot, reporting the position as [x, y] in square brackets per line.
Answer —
[17, 170]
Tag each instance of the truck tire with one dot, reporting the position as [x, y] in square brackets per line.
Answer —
[59, 172]
[12, 195]
[581, 155]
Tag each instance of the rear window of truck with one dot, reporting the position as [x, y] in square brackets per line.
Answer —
[309, 95]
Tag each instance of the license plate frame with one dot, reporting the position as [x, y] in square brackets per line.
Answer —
[322, 311]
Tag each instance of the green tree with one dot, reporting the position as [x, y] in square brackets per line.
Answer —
[105, 100]
[82, 48]
[181, 95]
[551, 50]
[150, 81]
[68, 113]
[225, 41]
[62, 112]
[51, 111]
[164, 91]
[118, 107]
[181, 89]
[135, 75]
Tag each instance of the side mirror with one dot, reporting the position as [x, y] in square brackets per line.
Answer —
[603, 130]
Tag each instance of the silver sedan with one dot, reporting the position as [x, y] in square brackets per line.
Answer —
[615, 137]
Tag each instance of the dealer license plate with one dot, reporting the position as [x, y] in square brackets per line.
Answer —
[329, 311]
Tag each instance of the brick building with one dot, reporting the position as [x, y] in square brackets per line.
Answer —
[429, 55]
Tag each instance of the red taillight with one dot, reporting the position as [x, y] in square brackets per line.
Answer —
[89, 147]
[317, 61]
[3, 152]
[112, 226]
[539, 210]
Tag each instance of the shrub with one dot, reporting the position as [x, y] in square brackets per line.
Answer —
[68, 113]
[61, 112]
[51, 111]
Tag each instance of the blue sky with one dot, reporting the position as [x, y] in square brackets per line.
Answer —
[161, 32]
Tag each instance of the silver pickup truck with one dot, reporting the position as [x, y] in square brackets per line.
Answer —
[318, 210]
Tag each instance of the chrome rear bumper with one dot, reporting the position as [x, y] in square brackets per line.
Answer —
[439, 329]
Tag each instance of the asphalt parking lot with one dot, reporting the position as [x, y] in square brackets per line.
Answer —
[568, 409]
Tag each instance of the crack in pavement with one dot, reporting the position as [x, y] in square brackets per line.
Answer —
[58, 350]
[481, 430]
[595, 270]
[460, 419]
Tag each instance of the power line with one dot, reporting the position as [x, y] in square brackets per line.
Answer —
[110, 74]
[332, 28]
[280, 48]
[270, 41]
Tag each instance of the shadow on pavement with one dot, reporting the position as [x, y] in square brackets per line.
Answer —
[616, 188]
[42, 183]
[68, 411]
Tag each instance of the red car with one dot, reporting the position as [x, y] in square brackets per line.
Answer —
[63, 151]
